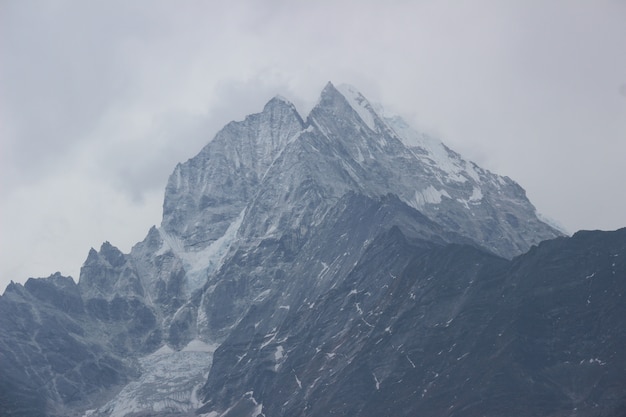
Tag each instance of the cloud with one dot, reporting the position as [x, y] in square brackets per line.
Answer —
[99, 101]
[52, 225]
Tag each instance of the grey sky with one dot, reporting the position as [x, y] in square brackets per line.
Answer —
[100, 100]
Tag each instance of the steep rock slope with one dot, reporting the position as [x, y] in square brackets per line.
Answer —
[207, 193]
[418, 328]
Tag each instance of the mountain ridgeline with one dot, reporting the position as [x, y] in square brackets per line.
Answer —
[339, 264]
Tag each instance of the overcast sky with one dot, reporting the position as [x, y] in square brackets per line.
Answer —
[100, 99]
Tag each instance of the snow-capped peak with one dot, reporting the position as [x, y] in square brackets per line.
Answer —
[278, 99]
[432, 150]
[426, 148]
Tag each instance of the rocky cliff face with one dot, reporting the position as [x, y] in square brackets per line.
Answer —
[52, 356]
[417, 328]
[338, 264]
[208, 192]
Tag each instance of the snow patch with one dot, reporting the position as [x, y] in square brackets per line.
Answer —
[376, 381]
[298, 380]
[199, 264]
[262, 296]
[359, 104]
[200, 346]
[359, 157]
[477, 194]
[366, 322]
[410, 361]
[168, 383]
[429, 150]
[592, 361]
[163, 350]
[470, 170]
[358, 308]
[429, 195]
[323, 271]
[278, 356]
[271, 336]
[202, 319]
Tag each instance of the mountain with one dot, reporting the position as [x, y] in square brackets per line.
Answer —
[273, 162]
[338, 264]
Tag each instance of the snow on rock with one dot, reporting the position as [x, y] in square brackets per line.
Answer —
[359, 104]
[199, 264]
[429, 150]
[477, 195]
[279, 355]
[297, 380]
[270, 338]
[168, 383]
[358, 308]
[429, 195]
[163, 350]
[200, 346]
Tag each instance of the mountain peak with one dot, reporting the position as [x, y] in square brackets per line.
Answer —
[356, 147]
[278, 101]
[328, 95]
[218, 183]
[328, 87]
[360, 104]
[345, 104]
[278, 98]
[113, 255]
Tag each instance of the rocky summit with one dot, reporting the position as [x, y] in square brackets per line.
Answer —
[341, 263]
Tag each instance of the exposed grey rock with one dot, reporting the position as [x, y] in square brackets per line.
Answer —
[418, 328]
[206, 193]
[51, 356]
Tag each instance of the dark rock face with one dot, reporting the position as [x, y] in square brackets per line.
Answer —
[423, 329]
[344, 265]
[51, 356]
